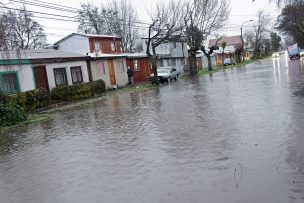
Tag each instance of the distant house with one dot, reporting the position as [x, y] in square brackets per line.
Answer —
[141, 66]
[202, 60]
[26, 70]
[229, 52]
[172, 54]
[107, 60]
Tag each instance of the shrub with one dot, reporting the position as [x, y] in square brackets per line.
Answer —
[98, 87]
[11, 114]
[60, 93]
[3, 97]
[79, 91]
[31, 100]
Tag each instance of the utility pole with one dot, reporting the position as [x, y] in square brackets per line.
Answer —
[243, 39]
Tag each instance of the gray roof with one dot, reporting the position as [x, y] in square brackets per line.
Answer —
[85, 35]
[38, 54]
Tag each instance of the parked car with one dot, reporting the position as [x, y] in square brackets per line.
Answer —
[228, 61]
[166, 74]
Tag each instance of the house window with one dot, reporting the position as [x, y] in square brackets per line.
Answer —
[100, 66]
[174, 45]
[168, 62]
[113, 48]
[160, 63]
[182, 62]
[136, 65]
[173, 62]
[9, 83]
[97, 46]
[60, 76]
[76, 75]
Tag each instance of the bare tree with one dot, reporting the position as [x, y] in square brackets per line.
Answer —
[239, 52]
[279, 3]
[118, 17]
[90, 19]
[21, 31]
[203, 18]
[223, 45]
[261, 29]
[167, 24]
[122, 19]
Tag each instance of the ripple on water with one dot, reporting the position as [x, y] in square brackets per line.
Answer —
[287, 169]
[299, 93]
[297, 181]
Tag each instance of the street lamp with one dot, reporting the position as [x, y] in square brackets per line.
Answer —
[242, 37]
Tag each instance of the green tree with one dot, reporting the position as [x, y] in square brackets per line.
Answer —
[291, 22]
[275, 41]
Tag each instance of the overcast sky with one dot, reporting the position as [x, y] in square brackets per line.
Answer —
[241, 11]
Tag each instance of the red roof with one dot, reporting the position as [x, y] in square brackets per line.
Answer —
[233, 40]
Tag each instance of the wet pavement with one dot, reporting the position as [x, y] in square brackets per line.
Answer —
[236, 136]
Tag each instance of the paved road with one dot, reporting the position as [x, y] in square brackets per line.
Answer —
[235, 136]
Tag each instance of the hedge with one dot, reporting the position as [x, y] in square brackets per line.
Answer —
[79, 91]
[31, 100]
[3, 97]
[11, 114]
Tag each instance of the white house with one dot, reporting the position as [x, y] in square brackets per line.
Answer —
[107, 60]
[172, 53]
[26, 70]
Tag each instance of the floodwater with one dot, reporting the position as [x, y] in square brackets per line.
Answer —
[235, 137]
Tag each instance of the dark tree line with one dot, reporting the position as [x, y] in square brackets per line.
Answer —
[291, 21]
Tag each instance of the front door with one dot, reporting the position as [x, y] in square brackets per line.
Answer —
[41, 77]
[112, 73]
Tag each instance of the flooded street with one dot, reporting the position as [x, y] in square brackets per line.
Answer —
[235, 137]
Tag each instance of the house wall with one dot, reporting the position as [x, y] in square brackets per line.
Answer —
[199, 62]
[98, 74]
[25, 75]
[180, 63]
[144, 71]
[219, 59]
[120, 75]
[75, 44]
[67, 66]
[178, 49]
[105, 45]
[205, 61]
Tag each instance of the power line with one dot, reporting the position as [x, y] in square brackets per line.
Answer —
[68, 7]
[45, 6]
[38, 12]
[74, 11]
[76, 19]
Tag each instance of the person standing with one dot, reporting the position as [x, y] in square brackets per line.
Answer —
[130, 76]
